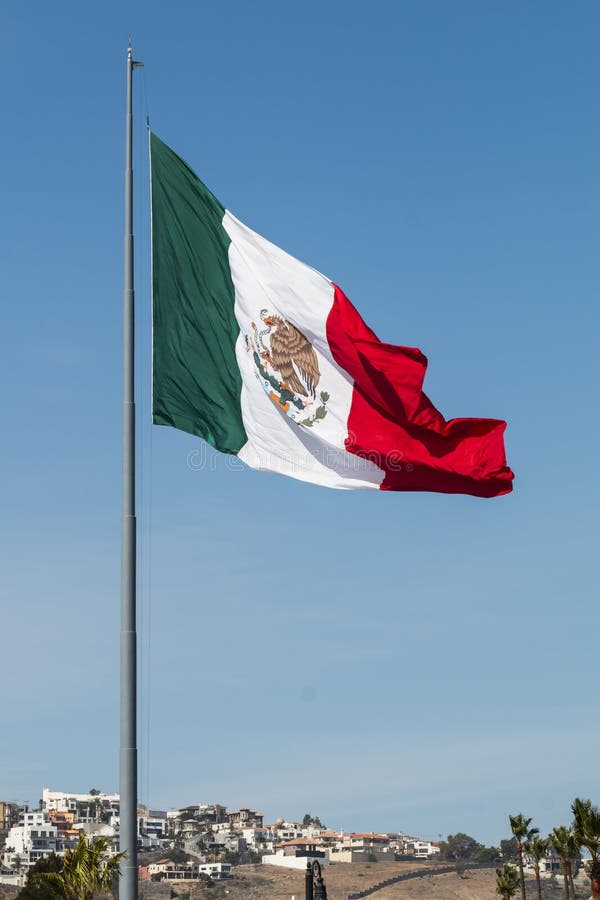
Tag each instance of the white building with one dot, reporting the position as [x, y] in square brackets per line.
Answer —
[12, 877]
[296, 854]
[215, 870]
[170, 871]
[152, 827]
[259, 838]
[421, 849]
[36, 819]
[66, 802]
[30, 841]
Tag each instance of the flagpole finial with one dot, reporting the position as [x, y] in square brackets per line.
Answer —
[130, 59]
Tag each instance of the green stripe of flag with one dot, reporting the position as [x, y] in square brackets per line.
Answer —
[196, 382]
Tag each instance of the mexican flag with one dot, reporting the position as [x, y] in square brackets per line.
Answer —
[263, 357]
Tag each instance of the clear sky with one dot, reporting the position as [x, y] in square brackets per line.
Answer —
[385, 661]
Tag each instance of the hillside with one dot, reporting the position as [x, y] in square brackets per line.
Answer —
[270, 883]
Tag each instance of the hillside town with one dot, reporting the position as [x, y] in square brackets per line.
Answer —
[203, 839]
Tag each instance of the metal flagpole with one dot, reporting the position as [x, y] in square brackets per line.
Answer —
[128, 761]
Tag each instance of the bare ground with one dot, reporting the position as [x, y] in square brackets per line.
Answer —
[270, 883]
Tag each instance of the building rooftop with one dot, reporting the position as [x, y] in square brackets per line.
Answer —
[298, 842]
[368, 834]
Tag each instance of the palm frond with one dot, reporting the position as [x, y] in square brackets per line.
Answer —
[87, 869]
[520, 827]
[52, 880]
[536, 848]
[586, 825]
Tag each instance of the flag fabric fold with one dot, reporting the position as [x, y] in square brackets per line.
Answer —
[264, 357]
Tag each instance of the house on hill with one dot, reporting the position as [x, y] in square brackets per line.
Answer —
[296, 854]
[166, 870]
[358, 847]
[244, 817]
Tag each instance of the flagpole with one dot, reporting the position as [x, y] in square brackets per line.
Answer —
[128, 755]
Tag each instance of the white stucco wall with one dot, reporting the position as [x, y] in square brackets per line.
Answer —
[293, 862]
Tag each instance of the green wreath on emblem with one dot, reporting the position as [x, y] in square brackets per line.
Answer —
[320, 412]
[286, 396]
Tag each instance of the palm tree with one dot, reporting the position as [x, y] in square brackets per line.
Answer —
[507, 881]
[586, 826]
[535, 850]
[87, 869]
[565, 843]
[522, 833]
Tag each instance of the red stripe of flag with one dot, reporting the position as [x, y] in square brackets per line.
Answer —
[395, 425]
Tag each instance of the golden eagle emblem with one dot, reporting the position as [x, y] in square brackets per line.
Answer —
[289, 355]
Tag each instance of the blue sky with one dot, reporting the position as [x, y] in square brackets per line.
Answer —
[416, 662]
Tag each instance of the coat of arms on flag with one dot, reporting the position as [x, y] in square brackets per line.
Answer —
[281, 351]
